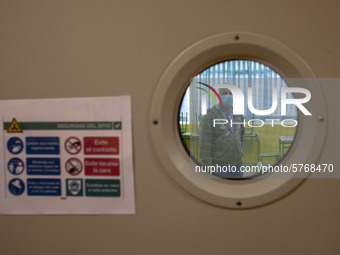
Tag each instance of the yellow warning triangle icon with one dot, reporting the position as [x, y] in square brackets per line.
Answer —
[14, 127]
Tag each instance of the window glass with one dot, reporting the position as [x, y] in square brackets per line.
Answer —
[235, 118]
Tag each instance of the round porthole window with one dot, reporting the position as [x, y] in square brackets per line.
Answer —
[242, 85]
[243, 145]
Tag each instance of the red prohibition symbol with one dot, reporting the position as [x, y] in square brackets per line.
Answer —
[74, 166]
[73, 145]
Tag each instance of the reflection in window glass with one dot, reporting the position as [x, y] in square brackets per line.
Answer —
[231, 139]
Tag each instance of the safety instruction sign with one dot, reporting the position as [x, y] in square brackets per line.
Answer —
[66, 156]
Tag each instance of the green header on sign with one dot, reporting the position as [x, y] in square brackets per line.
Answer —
[117, 125]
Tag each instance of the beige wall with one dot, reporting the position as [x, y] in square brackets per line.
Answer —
[107, 48]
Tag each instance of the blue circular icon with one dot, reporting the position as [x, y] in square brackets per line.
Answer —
[16, 166]
[16, 186]
[15, 145]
